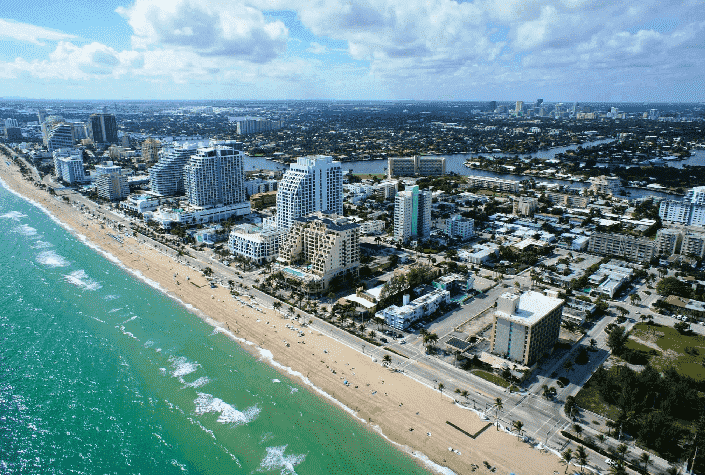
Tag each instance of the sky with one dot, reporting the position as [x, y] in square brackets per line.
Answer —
[505, 50]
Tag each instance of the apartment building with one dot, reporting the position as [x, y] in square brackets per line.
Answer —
[621, 245]
[112, 186]
[166, 177]
[68, 165]
[258, 244]
[525, 206]
[402, 317]
[668, 241]
[567, 200]
[526, 326]
[606, 185]
[460, 228]
[310, 185]
[102, 128]
[416, 166]
[412, 214]
[689, 212]
[693, 245]
[492, 183]
[214, 176]
[329, 244]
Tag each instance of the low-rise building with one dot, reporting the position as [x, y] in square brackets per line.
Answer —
[374, 226]
[140, 203]
[479, 254]
[609, 278]
[402, 317]
[492, 183]
[526, 326]
[606, 185]
[258, 244]
[525, 206]
[188, 214]
[693, 244]
[621, 245]
[258, 185]
[416, 166]
[668, 241]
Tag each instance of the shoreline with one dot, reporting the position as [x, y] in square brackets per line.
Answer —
[379, 414]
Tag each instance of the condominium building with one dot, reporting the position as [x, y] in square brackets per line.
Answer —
[402, 317]
[214, 176]
[58, 135]
[693, 245]
[374, 226]
[525, 206]
[258, 244]
[689, 212]
[102, 128]
[460, 228]
[526, 326]
[150, 151]
[166, 178]
[492, 183]
[570, 201]
[606, 185]
[412, 214]
[11, 123]
[328, 244]
[621, 245]
[668, 241]
[387, 189]
[258, 185]
[106, 168]
[68, 165]
[310, 185]
[13, 134]
[254, 126]
[416, 166]
[112, 186]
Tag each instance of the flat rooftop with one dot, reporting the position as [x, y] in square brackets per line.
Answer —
[531, 307]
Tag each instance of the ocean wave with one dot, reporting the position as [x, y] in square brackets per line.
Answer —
[202, 381]
[16, 215]
[182, 367]
[206, 403]
[275, 459]
[26, 230]
[41, 245]
[51, 259]
[80, 279]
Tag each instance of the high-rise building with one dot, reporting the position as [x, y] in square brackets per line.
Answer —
[41, 115]
[416, 165]
[68, 165]
[254, 126]
[412, 214]
[690, 211]
[215, 176]
[102, 128]
[13, 134]
[150, 151]
[492, 106]
[112, 186]
[693, 245]
[58, 135]
[330, 244]
[519, 107]
[311, 184]
[11, 123]
[526, 326]
[539, 103]
[166, 178]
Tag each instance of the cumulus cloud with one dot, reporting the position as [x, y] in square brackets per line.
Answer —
[316, 48]
[210, 28]
[14, 30]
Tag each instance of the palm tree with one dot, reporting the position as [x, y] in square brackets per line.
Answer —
[465, 394]
[518, 426]
[277, 305]
[581, 457]
[440, 387]
[498, 406]
[601, 438]
[386, 360]
[622, 450]
[546, 391]
[566, 458]
[645, 460]
[634, 298]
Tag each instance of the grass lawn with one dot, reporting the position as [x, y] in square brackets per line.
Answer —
[684, 352]
[636, 346]
[492, 378]
[589, 398]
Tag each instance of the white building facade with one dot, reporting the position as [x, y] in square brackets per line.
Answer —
[460, 228]
[166, 177]
[402, 317]
[215, 176]
[310, 185]
[258, 244]
[412, 214]
[68, 165]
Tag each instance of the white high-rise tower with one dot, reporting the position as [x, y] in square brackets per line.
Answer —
[215, 176]
[412, 214]
[311, 184]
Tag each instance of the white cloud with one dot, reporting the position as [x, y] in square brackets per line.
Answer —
[316, 48]
[10, 29]
[210, 28]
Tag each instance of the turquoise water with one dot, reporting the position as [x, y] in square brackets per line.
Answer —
[102, 374]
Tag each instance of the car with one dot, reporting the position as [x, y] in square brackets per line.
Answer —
[610, 462]
[384, 340]
[402, 342]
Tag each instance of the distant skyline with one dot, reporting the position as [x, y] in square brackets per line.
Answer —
[503, 50]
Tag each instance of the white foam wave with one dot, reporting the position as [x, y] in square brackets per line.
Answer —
[206, 403]
[26, 230]
[51, 259]
[80, 279]
[41, 245]
[182, 367]
[202, 381]
[111, 297]
[16, 215]
[276, 460]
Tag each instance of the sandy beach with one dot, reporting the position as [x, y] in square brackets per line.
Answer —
[410, 414]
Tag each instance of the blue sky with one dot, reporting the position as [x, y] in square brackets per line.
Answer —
[570, 50]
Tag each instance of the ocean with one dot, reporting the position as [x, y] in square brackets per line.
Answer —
[101, 373]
